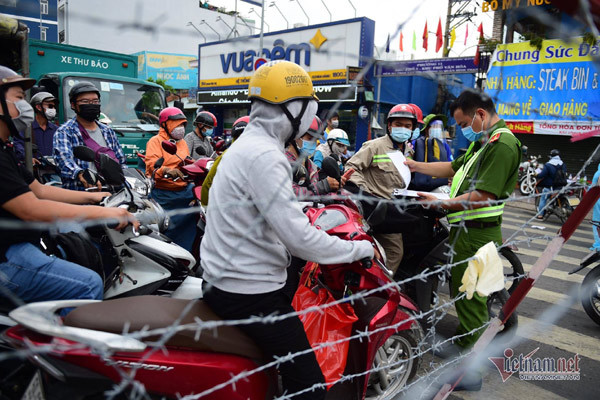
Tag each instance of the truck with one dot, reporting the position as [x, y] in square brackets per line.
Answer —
[130, 105]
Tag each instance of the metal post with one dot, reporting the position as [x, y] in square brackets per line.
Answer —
[325, 5]
[287, 23]
[197, 30]
[24, 38]
[213, 29]
[307, 18]
[262, 28]
[231, 30]
[353, 8]
[235, 20]
[258, 15]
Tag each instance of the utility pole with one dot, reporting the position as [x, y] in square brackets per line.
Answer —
[445, 49]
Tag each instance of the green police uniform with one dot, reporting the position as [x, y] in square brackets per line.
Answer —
[492, 168]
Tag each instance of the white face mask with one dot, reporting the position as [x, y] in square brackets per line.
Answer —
[335, 123]
[338, 149]
[50, 113]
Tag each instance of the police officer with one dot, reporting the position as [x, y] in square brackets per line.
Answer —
[487, 172]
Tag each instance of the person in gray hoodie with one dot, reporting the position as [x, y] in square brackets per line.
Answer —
[256, 224]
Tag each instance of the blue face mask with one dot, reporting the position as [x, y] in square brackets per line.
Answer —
[208, 133]
[470, 134]
[309, 146]
[415, 134]
[400, 134]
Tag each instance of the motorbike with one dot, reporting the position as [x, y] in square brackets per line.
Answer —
[198, 360]
[560, 204]
[46, 172]
[590, 287]
[527, 175]
[144, 261]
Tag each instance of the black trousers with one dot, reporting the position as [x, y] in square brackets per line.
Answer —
[274, 339]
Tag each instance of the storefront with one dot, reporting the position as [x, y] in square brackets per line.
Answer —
[330, 53]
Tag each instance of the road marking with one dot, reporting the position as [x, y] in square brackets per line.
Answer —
[544, 242]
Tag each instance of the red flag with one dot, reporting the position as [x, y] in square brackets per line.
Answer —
[440, 38]
[425, 37]
[466, 35]
[401, 39]
[477, 55]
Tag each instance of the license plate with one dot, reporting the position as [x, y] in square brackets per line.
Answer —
[35, 389]
[573, 201]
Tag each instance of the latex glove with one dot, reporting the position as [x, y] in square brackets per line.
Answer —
[484, 273]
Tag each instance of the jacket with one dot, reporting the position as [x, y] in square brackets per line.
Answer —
[549, 171]
[374, 171]
[429, 150]
[154, 151]
[254, 217]
[193, 142]
[312, 185]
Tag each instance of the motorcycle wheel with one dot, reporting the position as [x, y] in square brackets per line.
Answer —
[565, 210]
[396, 362]
[590, 298]
[527, 185]
[516, 273]
[495, 302]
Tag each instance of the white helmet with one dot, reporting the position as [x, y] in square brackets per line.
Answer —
[338, 135]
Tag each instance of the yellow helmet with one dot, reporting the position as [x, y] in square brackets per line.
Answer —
[280, 81]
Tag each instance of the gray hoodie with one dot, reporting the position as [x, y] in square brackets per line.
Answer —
[254, 216]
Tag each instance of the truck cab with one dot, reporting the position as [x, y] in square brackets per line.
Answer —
[131, 105]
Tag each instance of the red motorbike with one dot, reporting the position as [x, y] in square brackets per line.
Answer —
[89, 352]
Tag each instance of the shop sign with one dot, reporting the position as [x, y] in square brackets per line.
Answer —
[458, 65]
[231, 96]
[324, 51]
[551, 91]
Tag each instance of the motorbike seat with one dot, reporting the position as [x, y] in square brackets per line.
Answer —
[156, 312]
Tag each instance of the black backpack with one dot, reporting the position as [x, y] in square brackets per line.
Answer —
[560, 178]
[75, 248]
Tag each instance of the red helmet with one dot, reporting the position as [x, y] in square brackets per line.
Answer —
[316, 128]
[418, 112]
[206, 118]
[402, 111]
[238, 126]
[170, 113]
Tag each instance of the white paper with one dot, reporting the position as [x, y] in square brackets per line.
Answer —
[398, 160]
[413, 193]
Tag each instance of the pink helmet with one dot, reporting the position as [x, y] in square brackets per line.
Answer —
[170, 113]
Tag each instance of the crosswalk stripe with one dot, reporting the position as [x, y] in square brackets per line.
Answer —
[544, 242]
[553, 335]
[537, 254]
[580, 233]
[550, 297]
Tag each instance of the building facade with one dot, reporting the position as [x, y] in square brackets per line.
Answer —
[40, 16]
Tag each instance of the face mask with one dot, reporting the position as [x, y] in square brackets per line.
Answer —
[89, 112]
[400, 134]
[309, 146]
[435, 133]
[178, 133]
[338, 149]
[415, 134]
[470, 134]
[26, 114]
[50, 113]
[208, 133]
[335, 123]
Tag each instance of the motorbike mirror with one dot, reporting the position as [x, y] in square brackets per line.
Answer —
[220, 145]
[169, 147]
[159, 163]
[377, 216]
[330, 168]
[84, 153]
[111, 170]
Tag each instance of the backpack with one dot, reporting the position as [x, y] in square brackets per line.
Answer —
[560, 178]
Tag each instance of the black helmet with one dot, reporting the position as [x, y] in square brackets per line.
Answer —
[82, 87]
[206, 118]
[554, 152]
[524, 149]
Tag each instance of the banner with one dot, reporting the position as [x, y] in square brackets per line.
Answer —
[176, 69]
[457, 65]
[550, 91]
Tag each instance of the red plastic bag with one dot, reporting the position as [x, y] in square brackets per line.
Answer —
[333, 324]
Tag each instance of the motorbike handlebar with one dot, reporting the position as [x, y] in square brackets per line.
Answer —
[367, 263]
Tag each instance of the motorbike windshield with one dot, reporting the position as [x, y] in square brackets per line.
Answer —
[123, 104]
[329, 219]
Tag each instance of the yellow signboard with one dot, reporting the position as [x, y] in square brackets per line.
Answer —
[494, 5]
[552, 52]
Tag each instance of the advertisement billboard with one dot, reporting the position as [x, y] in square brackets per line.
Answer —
[175, 69]
[551, 91]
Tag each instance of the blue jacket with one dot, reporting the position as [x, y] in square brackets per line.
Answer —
[548, 173]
